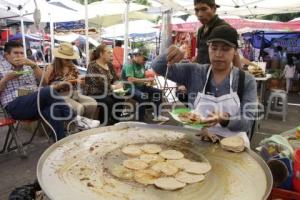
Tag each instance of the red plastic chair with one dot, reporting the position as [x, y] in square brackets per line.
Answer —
[11, 135]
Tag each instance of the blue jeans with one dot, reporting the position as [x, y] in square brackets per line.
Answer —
[147, 94]
[25, 108]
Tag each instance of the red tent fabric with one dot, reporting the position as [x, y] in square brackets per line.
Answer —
[243, 23]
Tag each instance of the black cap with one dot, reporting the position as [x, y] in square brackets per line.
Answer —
[225, 34]
[141, 52]
[209, 2]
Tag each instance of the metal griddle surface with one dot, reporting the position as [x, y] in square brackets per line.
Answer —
[76, 167]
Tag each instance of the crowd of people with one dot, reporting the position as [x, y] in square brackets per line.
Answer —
[65, 95]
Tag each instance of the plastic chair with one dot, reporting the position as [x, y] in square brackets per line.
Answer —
[13, 130]
[11, 135]
[39, 124]
[277, 104]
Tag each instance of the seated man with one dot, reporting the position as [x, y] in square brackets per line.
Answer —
[17, 72]
[134, 72]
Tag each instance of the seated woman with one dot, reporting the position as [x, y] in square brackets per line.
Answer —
[101, 80]
[64, 73]
[223, 95]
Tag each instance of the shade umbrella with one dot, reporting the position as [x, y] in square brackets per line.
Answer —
[109, 12]
[110, 20]
[48, 13]
[59, 12]
[98, 11]
[136, 28]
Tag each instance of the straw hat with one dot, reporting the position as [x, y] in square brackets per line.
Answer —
[65, 51]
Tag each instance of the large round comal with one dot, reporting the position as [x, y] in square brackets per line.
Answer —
[78, 167]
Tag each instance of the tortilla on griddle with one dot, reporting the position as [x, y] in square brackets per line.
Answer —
[179, 163]
[122, 172]
[171, 154]
[197, 167]
[168, 183]
[165, 168]
[132, 150]
[135, 164]
[146, 177]
[151, 148]
[151, 158]
[189, 178]
[233, 143]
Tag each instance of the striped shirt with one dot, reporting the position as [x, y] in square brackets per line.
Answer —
[10, 91]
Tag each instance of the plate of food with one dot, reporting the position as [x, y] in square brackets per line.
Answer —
[187, 117]
[23, 72]
[120, 91]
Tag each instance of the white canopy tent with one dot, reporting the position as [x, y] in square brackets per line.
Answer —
[6, 12]
[109, 12]
[237, 7]
[138, 27]
[98, 11]
[110, 20]
[174, 20]
[71, 37]
[49, 12]
[296, 20]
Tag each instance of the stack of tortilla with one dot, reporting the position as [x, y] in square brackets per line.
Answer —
[233, 143]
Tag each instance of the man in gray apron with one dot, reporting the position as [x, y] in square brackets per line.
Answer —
[213, 89]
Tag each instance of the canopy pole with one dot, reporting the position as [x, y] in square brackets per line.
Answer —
[23, 32]
[87, 52]
[166, 32]
[126, 32]
[51, 35]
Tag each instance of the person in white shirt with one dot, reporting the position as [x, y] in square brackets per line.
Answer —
[289, 73]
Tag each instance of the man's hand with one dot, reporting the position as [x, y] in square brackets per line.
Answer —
[215, 118]
[174, 55]
[10, 76]
[24, 61]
